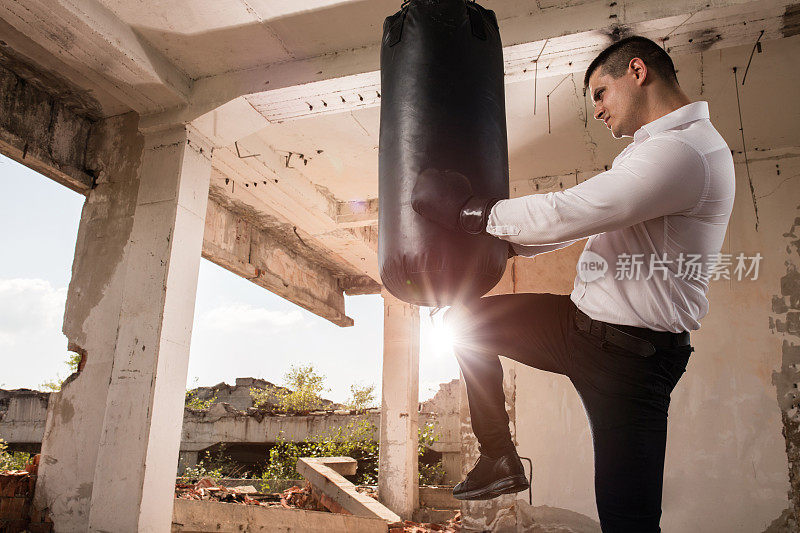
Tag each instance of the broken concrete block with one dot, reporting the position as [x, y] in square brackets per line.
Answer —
[336, 487]
[345, 466]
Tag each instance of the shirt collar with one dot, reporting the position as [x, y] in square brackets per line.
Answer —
[682, 115]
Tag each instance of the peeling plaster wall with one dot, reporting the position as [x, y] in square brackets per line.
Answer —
[785, 324]
[75, 415]
[726, 465]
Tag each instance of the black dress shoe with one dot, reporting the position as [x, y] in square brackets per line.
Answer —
[490, 478]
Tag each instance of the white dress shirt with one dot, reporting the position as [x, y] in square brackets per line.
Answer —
[666, 198]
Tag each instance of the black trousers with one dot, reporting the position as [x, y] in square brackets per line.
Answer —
[626, 396]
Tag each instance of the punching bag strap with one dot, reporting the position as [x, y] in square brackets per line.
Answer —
[395, 26]
[476, 20]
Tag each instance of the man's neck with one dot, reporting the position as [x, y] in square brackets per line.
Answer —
[663, 102]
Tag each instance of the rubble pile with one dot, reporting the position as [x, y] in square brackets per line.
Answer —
[408, 526]
[295, 498]
[207, 489]
[17, 513]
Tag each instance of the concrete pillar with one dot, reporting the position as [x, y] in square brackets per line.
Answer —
[110, 450]
[398, 478]
[133, 487]
[75, 414]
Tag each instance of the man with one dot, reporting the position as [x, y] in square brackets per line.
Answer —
[622, 340]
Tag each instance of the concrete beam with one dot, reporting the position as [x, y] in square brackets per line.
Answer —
[324, 476]
[559, 39]
[235, 244]
[356, 213]
[88, 45]
[267, 185]
[686, 28]
[39, 131]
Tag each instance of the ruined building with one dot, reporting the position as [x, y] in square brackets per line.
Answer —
[247, 133]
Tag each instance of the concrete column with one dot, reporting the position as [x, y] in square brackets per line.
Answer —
[137, 459]
[91, 318]
[398, 478]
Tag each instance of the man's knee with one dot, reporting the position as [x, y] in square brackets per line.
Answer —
[450, 317]
[459, 322]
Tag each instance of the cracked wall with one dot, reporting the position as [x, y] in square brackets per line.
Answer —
[785, 323]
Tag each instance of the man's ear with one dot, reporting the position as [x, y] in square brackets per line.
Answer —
[639, 70]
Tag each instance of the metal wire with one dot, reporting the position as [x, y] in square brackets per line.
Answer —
[755, 46]
[744, 147]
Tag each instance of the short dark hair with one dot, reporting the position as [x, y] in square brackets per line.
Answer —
[614, 60]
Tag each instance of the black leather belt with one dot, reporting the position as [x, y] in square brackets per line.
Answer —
[641, 341]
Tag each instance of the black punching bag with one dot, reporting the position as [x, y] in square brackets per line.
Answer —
[442, 107]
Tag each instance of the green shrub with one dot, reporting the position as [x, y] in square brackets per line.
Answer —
[431, 474]
[12, 460]
[262, 398]
[305, 387]
[302, 393]
[214, 464]
[354, 440]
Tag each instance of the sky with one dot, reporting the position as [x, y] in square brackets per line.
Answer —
[240, 329]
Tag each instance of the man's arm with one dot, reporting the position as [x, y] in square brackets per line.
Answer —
[663, 176]
[531, 251]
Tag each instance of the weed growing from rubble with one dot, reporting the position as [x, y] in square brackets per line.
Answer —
[193, 402]
[217, 464]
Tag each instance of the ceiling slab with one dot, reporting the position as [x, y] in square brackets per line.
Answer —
[91, 47]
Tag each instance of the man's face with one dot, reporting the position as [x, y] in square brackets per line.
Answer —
[616, 101]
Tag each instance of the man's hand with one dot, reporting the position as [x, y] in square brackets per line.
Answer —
[445, 197]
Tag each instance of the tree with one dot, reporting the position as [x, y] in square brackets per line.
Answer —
[303, 391]
[361, 397]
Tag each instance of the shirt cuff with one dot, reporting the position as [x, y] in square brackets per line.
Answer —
[496, 227]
